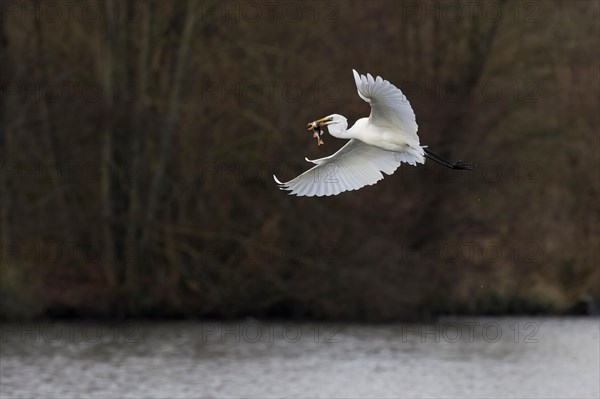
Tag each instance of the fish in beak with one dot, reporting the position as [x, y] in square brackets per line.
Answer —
[317, 128]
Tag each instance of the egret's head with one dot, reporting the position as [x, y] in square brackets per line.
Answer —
[336, 125]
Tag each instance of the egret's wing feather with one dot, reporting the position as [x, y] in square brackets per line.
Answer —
[389, 107]
[346, 148]
[354, 166]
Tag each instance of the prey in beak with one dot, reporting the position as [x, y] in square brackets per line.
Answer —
[317, 129]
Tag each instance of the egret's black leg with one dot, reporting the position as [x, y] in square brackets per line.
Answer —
[460, 165]
[438, 160]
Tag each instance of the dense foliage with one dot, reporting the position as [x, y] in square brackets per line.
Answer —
[138, 140]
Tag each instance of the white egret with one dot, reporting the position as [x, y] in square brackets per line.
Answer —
[379, 143]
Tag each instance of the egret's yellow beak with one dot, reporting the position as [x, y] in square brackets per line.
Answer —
[315, 127]
[323, 121]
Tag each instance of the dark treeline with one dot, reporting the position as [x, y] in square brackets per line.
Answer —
[138, 140]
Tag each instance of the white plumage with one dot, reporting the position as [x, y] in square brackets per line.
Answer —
[379, 143]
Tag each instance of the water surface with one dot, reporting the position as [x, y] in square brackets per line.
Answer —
[483, 357]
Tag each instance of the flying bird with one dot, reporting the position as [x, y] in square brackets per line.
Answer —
[379, 143]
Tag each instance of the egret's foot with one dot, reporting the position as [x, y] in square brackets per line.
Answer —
[462, 165]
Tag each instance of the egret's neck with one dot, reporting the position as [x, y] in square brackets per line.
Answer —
[354, 131]
[350, 133]
[340, 134]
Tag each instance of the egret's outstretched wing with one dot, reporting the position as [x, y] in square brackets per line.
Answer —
[355, 165]
[389, 107]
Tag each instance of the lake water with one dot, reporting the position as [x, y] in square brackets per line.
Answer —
[463, 357]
